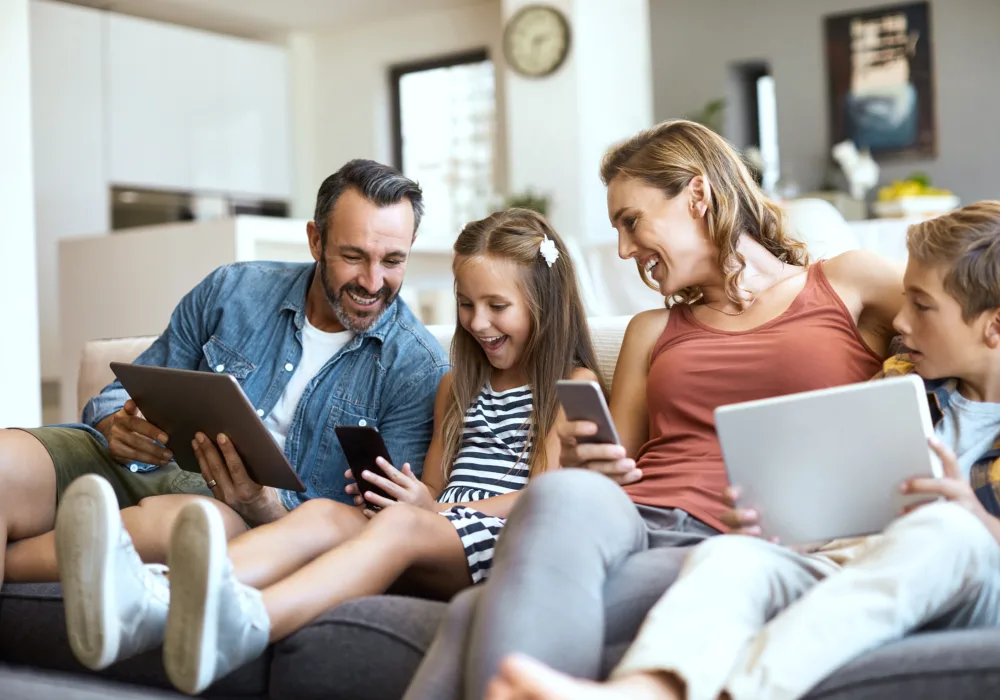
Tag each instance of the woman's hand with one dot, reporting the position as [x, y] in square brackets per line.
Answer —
[402, 485]
[608, 459]
[740, 521]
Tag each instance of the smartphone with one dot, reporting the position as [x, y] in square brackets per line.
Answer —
[362, 445]
[584, 400]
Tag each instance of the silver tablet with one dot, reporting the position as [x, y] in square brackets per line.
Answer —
[182, 403]
[826, 464]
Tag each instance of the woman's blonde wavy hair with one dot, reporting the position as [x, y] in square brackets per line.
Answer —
[670, 155]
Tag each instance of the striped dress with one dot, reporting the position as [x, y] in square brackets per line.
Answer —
[492, 461]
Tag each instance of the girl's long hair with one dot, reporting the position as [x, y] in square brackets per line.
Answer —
[559, 341]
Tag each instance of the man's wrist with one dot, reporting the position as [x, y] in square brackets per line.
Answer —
[103, 426]
[266, 508]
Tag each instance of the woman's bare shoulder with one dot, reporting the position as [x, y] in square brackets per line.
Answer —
[863, 270]
[648, 323]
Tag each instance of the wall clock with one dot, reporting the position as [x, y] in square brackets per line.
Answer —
[536, 40]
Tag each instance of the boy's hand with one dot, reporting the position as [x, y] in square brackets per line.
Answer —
[741, 521]
[952, 486]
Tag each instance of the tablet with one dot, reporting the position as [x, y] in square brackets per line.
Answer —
[826, 464]
[182, 403]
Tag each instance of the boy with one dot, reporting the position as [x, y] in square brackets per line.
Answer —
[733, 625]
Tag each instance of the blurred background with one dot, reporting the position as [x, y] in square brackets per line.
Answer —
[145, 142]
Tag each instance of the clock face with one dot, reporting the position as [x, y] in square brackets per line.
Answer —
[536, 40]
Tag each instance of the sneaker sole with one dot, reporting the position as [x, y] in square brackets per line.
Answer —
[196, 556]
[88, 525]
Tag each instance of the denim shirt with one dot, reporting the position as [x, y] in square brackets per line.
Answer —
[246, 319]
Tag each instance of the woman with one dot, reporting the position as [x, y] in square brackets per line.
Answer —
[748, 317]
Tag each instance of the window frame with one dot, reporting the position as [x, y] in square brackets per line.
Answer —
[396, 74]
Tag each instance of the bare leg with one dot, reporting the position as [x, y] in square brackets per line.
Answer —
[149, 525]
[398, 538]
[269, 553]
[522, 678]
[27, 490]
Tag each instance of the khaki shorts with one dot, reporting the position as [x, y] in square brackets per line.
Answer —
[76, 452]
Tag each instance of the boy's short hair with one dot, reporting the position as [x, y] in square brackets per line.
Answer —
[966, 242]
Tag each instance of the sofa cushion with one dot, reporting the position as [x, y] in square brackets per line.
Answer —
[958, 665]
[33, 633]
[31, 684]
[367, 649]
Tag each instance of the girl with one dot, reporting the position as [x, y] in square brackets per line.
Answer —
[521, 326]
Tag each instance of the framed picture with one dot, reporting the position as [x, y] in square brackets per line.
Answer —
[881, 80]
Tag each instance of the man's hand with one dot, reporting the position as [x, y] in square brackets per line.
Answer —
[608, 459]
[223, 471]
[741, 521]
[952, 486]
[402, 485]
[131, 438]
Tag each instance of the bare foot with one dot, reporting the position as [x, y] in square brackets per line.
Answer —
[523, 678]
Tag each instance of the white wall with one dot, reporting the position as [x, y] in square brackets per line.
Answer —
[20, 400]
[543, 129]
[559, 126]
[694, 43]
[71, 186]
[347, 73]
[615, 98]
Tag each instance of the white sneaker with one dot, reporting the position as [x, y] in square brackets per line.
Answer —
[216, 623]
[116, 606]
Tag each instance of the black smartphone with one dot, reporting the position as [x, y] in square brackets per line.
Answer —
[362, 444]
[584, 400]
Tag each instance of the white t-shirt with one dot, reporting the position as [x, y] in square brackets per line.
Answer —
[317, 349]
[969, 428]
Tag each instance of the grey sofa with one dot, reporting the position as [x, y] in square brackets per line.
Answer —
[368, 649]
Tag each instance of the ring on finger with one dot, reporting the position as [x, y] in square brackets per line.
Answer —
[212, 484]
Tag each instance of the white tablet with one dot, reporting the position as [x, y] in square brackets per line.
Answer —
[826, 464]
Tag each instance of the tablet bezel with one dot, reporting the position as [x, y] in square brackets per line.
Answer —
[182, 402]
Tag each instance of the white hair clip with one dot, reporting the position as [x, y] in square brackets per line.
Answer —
[548, 250]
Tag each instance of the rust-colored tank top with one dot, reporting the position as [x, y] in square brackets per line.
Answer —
[694, 369]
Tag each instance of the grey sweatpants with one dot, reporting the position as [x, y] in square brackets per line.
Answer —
[576, 569]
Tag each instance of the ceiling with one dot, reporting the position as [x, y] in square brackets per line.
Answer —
[270, 18]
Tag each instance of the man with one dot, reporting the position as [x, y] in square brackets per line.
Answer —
[310, 350]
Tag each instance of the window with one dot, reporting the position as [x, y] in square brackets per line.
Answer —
[445, 127]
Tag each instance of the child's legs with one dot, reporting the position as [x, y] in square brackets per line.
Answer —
[271, 552]
[729, 587]
[926, 564]
[148, 524]
[396, 539]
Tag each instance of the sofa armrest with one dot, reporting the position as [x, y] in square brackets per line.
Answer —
[95, 373]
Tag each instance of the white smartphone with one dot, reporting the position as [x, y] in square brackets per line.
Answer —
[583, 400]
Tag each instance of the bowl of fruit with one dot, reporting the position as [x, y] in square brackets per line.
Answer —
[914, 196]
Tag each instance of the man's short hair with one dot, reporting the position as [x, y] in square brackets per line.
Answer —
[380, 184]
[967, 243]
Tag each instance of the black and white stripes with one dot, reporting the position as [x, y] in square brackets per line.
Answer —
[492, 461]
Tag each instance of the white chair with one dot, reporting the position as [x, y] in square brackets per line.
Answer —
[819, 225]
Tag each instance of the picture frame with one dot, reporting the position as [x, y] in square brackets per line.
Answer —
[881, 80]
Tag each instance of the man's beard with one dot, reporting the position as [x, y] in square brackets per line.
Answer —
[359, 321]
